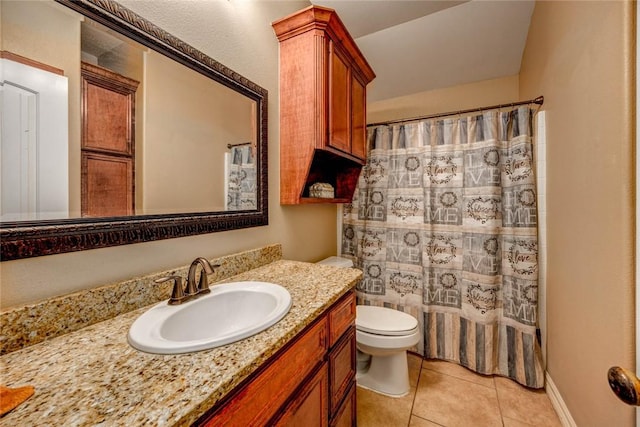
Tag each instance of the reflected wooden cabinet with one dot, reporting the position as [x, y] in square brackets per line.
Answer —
[323, 79]
[108, 143]
[311, 382]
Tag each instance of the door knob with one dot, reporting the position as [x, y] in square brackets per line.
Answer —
[625, 384]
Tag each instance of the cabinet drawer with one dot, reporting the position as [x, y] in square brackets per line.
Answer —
[310, 407]
[341, 317]
[346, 414]
[342, 368]
[259, 400]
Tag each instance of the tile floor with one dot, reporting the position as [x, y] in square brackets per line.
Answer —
[446, 394]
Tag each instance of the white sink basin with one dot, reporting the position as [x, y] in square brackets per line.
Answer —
[231, 312]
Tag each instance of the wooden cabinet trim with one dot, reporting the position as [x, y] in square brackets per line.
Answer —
[108, 78]
[325, 19]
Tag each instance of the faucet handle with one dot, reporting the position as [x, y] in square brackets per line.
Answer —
[177, 294]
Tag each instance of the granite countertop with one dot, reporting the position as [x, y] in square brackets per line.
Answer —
[94, 377]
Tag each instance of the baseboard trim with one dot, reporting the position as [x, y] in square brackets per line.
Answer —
[558, 404]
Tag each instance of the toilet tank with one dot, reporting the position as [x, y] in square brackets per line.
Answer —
[337, 261]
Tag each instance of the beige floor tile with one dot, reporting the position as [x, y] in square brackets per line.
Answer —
[376, 410]
[451, 401]
[415, 363]
[420, 422]
[508, 422]
[457, 371]
[529, 406]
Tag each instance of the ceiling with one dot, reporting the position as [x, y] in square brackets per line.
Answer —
[419, 45]
[97, 40]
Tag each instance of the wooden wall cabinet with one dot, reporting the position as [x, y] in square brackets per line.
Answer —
[323, 79]
[310, 382]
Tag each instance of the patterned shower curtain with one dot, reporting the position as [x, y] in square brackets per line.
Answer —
[241, 179]
[443, 224]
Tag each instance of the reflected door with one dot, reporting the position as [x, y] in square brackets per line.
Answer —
[34, 140]
[108, 162]
[19, 161]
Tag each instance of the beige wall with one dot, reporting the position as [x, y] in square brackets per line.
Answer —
[189, 120]
[239, 35]
[455, 98]
[578, 56]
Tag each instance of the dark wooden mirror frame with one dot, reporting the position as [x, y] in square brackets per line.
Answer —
[37, 238]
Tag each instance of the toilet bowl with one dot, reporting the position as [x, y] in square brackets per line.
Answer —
[383, 337]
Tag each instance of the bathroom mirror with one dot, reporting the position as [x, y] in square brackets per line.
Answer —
[193, 156]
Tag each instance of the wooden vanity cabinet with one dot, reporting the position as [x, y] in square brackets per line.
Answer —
[323, 79]
[310, 382]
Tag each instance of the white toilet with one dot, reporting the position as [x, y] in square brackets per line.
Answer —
[383, 336]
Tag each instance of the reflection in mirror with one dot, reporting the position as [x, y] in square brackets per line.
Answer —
[116, 132]
[146, 135]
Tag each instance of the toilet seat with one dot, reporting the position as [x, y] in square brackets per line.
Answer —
[384, 321]
[375, 343]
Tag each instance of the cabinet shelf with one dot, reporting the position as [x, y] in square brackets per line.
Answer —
[311, 200]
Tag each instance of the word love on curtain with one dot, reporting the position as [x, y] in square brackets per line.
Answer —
[443, 224]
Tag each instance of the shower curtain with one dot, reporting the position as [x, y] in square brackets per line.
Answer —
[443, 225]
[241, 193]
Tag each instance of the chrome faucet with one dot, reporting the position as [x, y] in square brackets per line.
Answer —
[182, 293]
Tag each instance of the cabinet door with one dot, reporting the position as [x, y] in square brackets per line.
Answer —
[106, 184]
[358, 118]
[309, 408]
[346, 415]
[339, 105]
[342, 368]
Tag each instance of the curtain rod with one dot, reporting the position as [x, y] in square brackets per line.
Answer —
[539, 100]
[230, 146]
